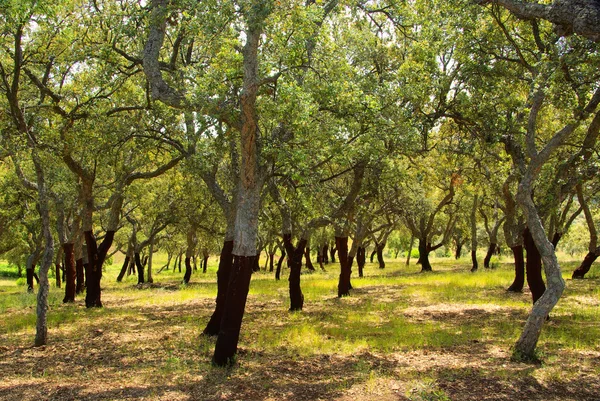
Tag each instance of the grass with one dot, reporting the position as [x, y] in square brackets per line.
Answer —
[400, 335]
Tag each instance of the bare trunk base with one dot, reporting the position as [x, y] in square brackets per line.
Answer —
[517, 285]
[225, 265]
[533, 267]
[585, 266]
[70, 273]
[488, 255]
[345, 268]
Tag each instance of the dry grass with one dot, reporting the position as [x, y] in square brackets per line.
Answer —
[400, 336]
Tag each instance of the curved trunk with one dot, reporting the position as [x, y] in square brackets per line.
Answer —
[424, 256]
[188, 270]
[123, 268]
[140, 268]
[231, 322]
[517, 285]
[361, 258]
[585, 266]
[373, 254]
[488, 255]
[96, 257]
[309, 264]
[533, 267]
[80, 276]
[295, 263]
[380, 248]
[70, 273]
[345, 268]
[223, 273]
[279, 264]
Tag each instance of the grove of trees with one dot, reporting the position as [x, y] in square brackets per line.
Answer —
[298, 129]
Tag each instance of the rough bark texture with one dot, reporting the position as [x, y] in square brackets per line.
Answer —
[424, 255]
[237, 293]
[223, 273]
[96, 257]
[517, 285]
[345, 268]
[70, 273]
[533, 267]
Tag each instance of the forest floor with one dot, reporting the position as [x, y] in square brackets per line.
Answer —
[401, 335]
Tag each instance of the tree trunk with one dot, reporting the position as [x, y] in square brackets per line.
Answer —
[412, 242]
[517, 285]
[533, 267]
[271, 262]
[332, 252]
[139, 267]
[309, 264]
[149, 261]
[458, 251]
[29, 272]
[488, 255]
[188, 270]
[379, 250]
[123, 268]
[325, 253]
[223, 273]
[345, 268]
[424, 255]
[279, 264]
[361, 258]
[295, 263]
[373, 253]
[585, 266]
[474, 264]
[80, 275]
[235, 303]
[205, 257]
[96, 257]
[179, 263]
[70, 273]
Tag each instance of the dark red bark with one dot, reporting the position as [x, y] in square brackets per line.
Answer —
[295, 263]
[309, 264]
[488, 255]
[556, 238]
[424, 250]
[585, 266]
[188, 271]
[70, 273]
[517, 285]
[204, 264]
[256, 266]
[80, 276]
[96, 257]
[223, 273]
[345, 267]
[361, 258]
[30, 275]
[271, 262]
[325, 253]
[279, 265]
[139, 266]
[123, 269]
[235, 303]
[373, 254]
[379, 250]
[475, 265]
[332, 252]
[533, 267]
[58, 273]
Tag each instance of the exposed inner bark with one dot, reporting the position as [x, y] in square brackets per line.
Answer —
[585, 266]
[309, 264]
[295, 263]
[345, 267]
[188, 270]
[223, 273]
[237, 293]
[424, 250]
[380, 248]
[474, 264]
[96, 257]
[279, 264]
[533, 267]
[361, 259]
[139, 266]
[517, 285]
[70, 273]
[488, 255]
[80, 275]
